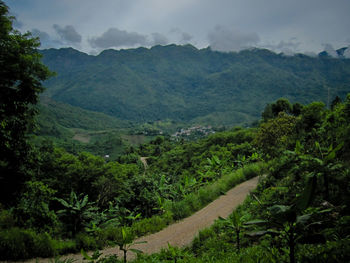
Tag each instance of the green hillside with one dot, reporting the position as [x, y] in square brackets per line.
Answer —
[183, 83]
[77, 129]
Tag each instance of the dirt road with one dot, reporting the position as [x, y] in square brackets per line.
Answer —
[182, 233]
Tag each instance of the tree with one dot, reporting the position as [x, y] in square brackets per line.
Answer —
[281, 105]
[77, 212]
[335, 102]
[21, 74]
[275, 135]
[273, 110]
[235, 224]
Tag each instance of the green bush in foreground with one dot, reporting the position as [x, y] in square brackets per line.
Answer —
[16, 243]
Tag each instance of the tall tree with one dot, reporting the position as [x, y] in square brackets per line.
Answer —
[21, 76]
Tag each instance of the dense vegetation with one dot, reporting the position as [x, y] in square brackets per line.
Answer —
[300, 210]
[53, 201]
[185, 84]
[77, 130]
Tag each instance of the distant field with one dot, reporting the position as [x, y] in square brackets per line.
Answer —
[84, 138]
[135, 139]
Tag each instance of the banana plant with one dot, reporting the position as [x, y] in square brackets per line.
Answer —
[126, 241]
[77, 210]
[235, 223]
[285, 222]
[93, 258]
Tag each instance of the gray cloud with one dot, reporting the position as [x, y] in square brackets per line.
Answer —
[313, 21]
[40, 34]
[289, 47]
[225, 39]
[310, 54]
[68, 33]
[115, 37]
[159, 39]
[330, 50]
[46, 40]
[182, 37]
[347, 52]
[186, 37]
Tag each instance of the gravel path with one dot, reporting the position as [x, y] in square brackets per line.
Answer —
[182, 233]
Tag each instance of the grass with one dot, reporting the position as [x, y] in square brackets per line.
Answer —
[195, 201]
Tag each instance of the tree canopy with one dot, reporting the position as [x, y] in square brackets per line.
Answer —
[21, 74]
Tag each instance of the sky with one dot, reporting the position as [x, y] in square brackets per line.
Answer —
[288, 26]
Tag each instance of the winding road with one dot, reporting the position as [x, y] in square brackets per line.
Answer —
[182, 233]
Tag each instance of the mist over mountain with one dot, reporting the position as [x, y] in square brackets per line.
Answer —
[183, 83]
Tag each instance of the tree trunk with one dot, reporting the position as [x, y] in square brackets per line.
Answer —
[326, 186]
[124, 250]
[291, 248]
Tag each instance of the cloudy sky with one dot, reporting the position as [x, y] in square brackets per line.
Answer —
[227, 25]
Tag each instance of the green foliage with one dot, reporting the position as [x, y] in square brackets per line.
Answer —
[126, 240]
[206, 194]
[18, 244]
[302, 201]
[204, 87]
[275, 135]
[21, 74]
[33, 209]
[77, 212]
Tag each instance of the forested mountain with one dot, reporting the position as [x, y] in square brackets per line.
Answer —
[183, 83]
[56, 115]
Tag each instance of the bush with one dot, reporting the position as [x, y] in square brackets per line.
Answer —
[43, 245]
[195, 201]
[332, 251]
[199, 240]
[152, 225]
[16, 243]
[6, 219]
[181, 209]
[64, 247]
[252, 170]
[86, 241]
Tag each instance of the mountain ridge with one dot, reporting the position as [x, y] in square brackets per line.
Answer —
[184, 83]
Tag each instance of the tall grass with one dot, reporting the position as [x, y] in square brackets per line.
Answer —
[197, 200]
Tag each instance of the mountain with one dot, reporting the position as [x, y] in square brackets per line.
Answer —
[183, 83]
[57, 114]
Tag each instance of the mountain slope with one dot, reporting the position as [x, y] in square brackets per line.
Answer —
[186, 84]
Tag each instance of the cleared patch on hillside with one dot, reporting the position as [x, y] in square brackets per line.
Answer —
[135, 139]
[84, 138]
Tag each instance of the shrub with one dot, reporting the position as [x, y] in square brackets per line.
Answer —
[64, 246]
[43, 245]
[251, 170]
[152, 225]
[180, 209]
[86, 241]
[16, 243]
[199, 240]
[6, 219]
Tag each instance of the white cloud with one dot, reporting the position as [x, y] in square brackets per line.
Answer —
[330, 50]
[226, 39]
[68, 34]
[159, 39]
[115, 37]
